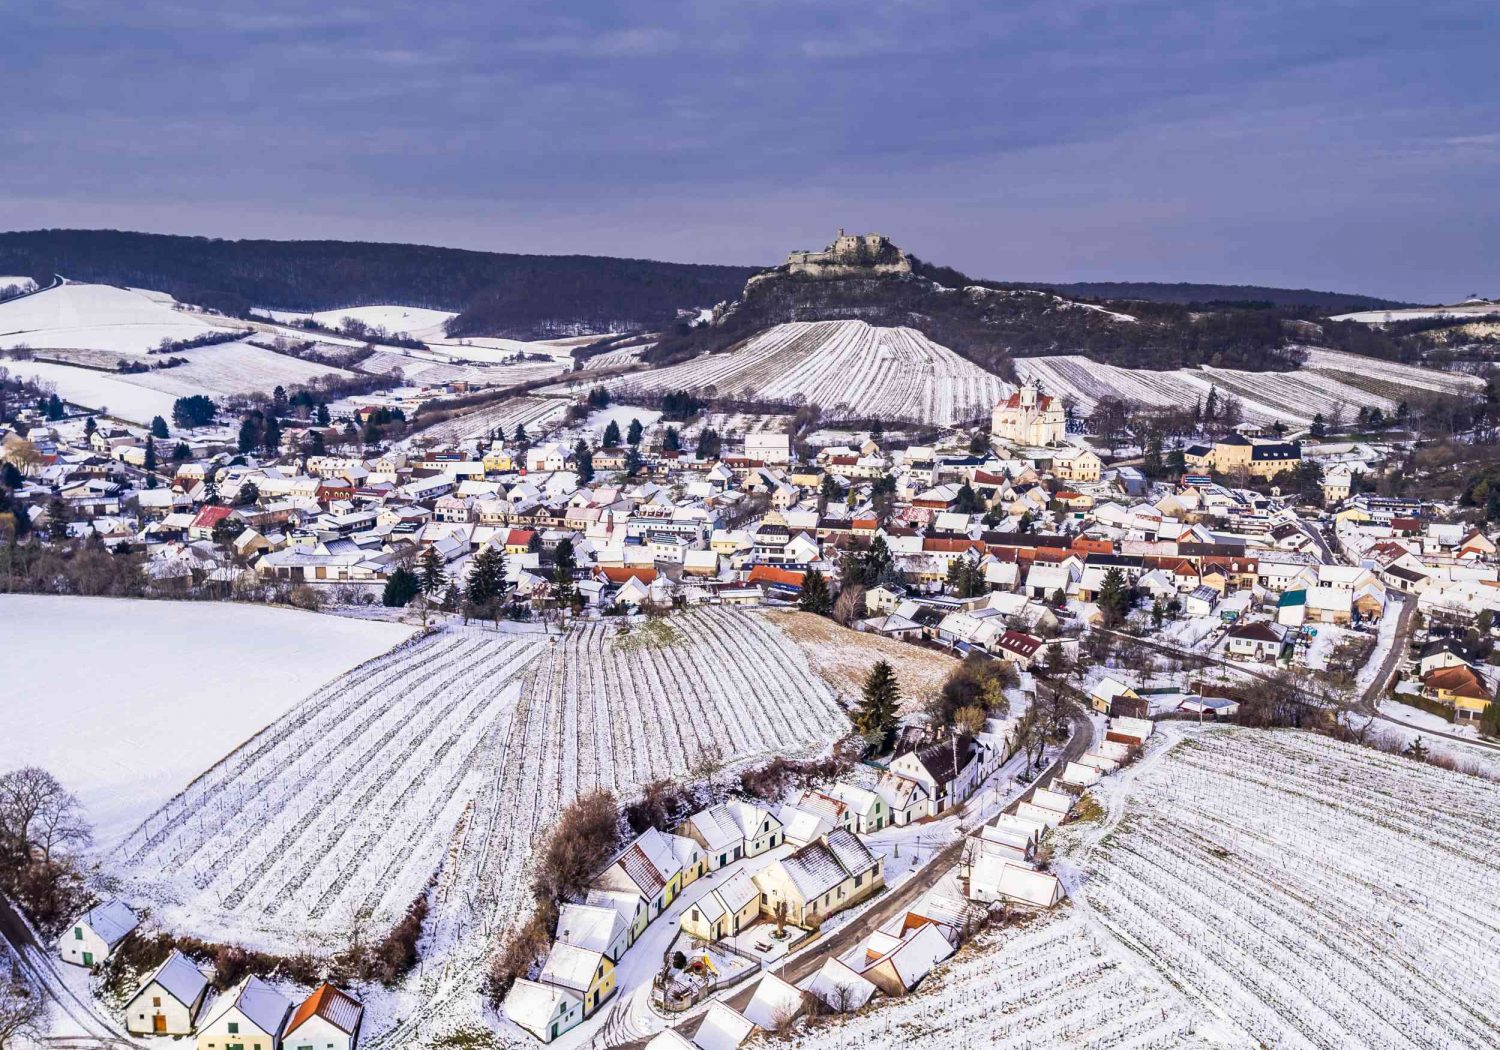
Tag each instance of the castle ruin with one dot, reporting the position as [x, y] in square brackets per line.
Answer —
[849, 254]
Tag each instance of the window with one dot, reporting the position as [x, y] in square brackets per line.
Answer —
[78, 933]
[156, 1000]
[858, 879]
[234, 1028]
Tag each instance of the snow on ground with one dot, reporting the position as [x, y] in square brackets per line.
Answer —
[1384, 639]
[107, 393]
[1462, 312]
[26, 284]
[844, 658]
[620, 415]
[415, 321]
[97, 317]
[1309, 893]
[126, 701]
[1328, 381]
[849, 367]
[537, 414]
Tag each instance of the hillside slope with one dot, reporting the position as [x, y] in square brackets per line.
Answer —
[519, 296]
[849, 367]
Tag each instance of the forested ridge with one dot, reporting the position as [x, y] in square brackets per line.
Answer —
[519, 296]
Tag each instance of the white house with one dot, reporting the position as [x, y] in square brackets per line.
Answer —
[92, 938]
[995, 879]
[839, 988]
[328, 1019]
[544, 1010]
[250, 1014]
[169, 1000]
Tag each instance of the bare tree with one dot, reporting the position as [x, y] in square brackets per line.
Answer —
[20, 1009]
[38, 816]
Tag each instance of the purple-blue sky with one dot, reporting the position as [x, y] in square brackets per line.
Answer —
[1342, 145]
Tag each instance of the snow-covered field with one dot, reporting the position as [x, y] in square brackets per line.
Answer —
[538, 414]
[97, 317]
[1328, 382]
[848, 367]
[221, 370]
[1057, 982]
[454, 753]
[1462, 312]
[1308, 893]
[126, 701]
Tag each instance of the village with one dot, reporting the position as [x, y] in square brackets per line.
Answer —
[1088, 595]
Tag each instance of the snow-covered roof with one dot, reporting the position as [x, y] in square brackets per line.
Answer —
[112, 921]
[261, 1005]
[839, 987]
[179, 978]
[773, 1002]
[723, 1028]
[589, 926]
[533, 1005]
[571, 966]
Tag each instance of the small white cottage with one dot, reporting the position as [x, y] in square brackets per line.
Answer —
[169, 1000]
[93, 936]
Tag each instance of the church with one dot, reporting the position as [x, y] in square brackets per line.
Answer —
[1029, 417]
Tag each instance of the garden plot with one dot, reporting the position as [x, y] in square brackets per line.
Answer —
[187, 683]
[1317, 894]
[849, 367]
[1328, 383]
[594, 714]
[537, 414]
[844, 658]
[1056, 982]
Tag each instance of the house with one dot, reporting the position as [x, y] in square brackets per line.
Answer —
[820, 878]
[1440, 653]
[543, 1010]
[906, 799]
[595, 928]
[948, 770]
[995, 879]
[588, 974]
[647, 867]
[93, 936]
[250, 1016]
[899, 968]
[839, 988]
[867, 808]
[1254, 641]
[775, 1004]
[1109, 691]
[1019, 648]
[722, 1028]
[1461, 687]
[328, 1019]
[732, 831]
[724, 911]
[169, 1000]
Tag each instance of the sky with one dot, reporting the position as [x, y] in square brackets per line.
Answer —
[1349, 145]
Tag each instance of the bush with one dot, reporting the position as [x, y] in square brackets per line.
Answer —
[580, 844]
[523, 950]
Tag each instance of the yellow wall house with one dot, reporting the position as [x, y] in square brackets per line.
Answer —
[825, 876]
[588, 974]
[723, 911]
[249, 1016]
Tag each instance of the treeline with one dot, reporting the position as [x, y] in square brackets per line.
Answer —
[518, 296]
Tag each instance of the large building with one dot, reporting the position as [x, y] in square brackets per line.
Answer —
[1233, 454]
[1029, 417]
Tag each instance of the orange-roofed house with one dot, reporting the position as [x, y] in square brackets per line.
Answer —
[328, 1018]
[1462, 687]
[618, 574]
[518, 541]
[785, 580]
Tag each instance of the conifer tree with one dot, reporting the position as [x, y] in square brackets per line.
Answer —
[878, 712]
[612, 435]
[815, 597]
[434, 578]
[402, 586]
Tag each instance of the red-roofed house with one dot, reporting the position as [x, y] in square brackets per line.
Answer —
[327, 1018]
[203, 525]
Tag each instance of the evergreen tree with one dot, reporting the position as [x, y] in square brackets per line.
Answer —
[453, 598]
[671, 441]
[433, 576]
[159, 428]
[709, 444]
[521, 441]
[402, 586]
[89, 426]
[1114, 597]
[1211, 406]
[271, 437]
[315, 444]
[487, 577]
[879, 710]
[1177, 462]
[583, 462]
[1319, 427]
[278, 402]
[150, 464]
[57, 520]
[968, 501]
[878, 562]
[1151, 463]
[612, 435]
[180, 451]
[565, 562]
[323, 416]
[249, 436]
[815, 597]
[632, 461]
[633, 434]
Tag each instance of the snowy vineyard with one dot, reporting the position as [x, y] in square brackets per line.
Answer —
[1051, 984]
[849, 367]
[537, 414]
[1328, 382]
[1321, 895]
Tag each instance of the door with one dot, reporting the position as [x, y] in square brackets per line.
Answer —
[88, 958]
[159, 1024]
